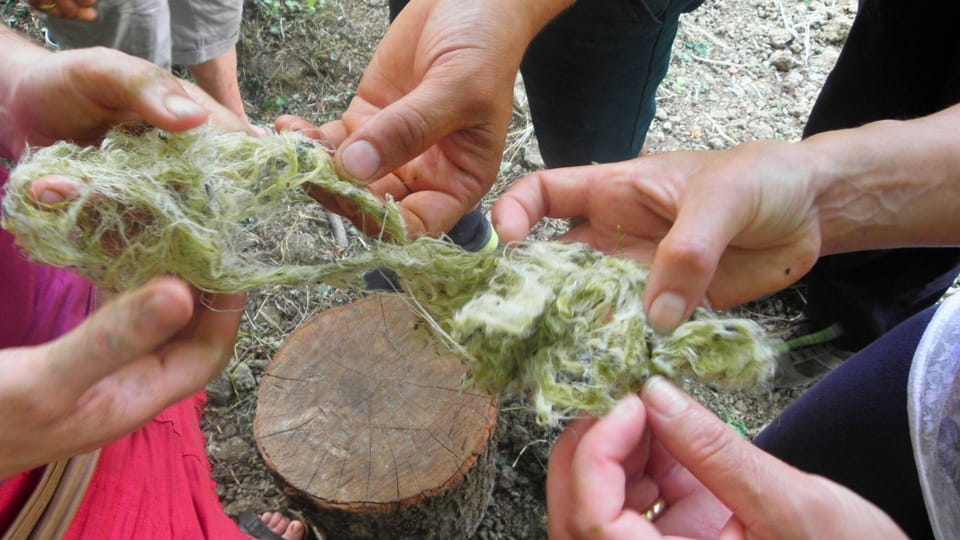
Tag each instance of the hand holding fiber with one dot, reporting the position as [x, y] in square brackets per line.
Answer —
[559, 323]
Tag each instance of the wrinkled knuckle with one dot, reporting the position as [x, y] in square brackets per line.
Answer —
[415, 129]
[710, 443]
[690, 253]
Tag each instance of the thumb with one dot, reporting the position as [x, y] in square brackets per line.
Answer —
[763, 492]
[398, 133]
[133, 325]
[126, 83]
[767, 496]
[604, 493]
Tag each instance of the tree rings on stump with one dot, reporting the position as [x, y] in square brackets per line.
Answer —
[361, 417]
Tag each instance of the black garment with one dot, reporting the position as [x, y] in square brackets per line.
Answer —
[591, 77]
[852, 428]
[899, 62]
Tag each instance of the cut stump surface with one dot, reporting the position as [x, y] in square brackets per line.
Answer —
[361, 415]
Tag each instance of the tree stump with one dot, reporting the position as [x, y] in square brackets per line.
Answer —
[361, 418]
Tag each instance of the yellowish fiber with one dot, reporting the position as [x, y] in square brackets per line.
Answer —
[561, 324]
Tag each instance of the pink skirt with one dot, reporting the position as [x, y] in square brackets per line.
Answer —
[155, 483]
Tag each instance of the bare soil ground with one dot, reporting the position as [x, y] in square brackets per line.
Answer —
[741, 70]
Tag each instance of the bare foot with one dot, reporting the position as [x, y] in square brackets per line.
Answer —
[271, 525]
[289, 529]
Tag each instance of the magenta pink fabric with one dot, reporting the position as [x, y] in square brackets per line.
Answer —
[155, 483]
[38, 302]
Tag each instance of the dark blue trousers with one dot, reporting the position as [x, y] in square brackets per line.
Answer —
[852, 427]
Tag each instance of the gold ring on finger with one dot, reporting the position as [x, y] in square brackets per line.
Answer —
[655, 510]
[47, 7]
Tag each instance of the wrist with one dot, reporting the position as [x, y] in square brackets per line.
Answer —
[848, 183]
[887, 184]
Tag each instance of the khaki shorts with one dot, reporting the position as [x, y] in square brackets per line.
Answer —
[165, 32]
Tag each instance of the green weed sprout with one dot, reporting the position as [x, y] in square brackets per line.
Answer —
[558, 323]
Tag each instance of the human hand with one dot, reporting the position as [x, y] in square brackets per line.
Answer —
[603, 474]
[429, 120]
[723, 226]
[81, 10]
[79, 94]
[132, 358]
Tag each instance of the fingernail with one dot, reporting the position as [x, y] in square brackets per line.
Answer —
[626, 406]
[360, 160]
[48, 196]
[666, 312]
[180, 106]
[663, 397]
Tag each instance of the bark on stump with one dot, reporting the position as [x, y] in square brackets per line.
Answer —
[361, 418]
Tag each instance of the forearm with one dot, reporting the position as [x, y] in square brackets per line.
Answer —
[889, 183]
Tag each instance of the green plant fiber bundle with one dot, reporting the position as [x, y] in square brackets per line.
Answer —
[560, 324]
[563, 325]
[174, 203]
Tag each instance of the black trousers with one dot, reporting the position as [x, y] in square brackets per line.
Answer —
[591, 76]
